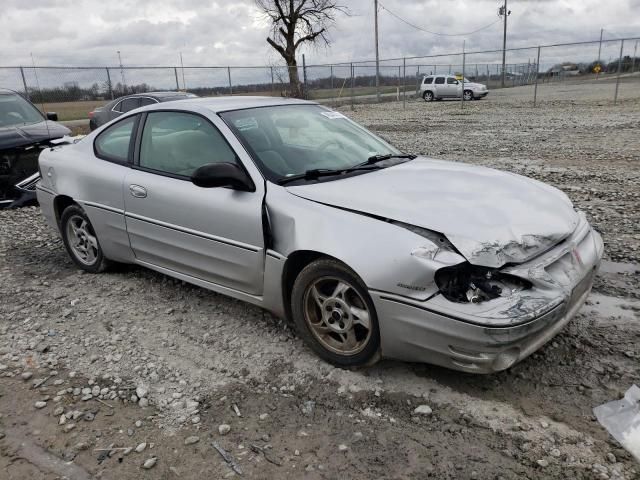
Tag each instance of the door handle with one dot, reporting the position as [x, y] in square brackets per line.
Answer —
[138, 191]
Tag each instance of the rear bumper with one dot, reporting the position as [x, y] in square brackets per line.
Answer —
[483, 343]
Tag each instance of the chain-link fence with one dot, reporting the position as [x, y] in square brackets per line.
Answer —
[535, 74]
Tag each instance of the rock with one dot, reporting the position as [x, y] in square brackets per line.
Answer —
[140, 448]
[95, 391]
[40, 404]
[63, 420]
[26, 375]
[264, 416]
[611, 458]
[141, 391]
[224, 429]
[423, 410]
[297, 453]
[191, 440]
[195, 419]
[143, 402]
[138, 423]
[150, 463]
[342, 447]
[543, 463]
[88, 417]
[555, 452]
[58, 411]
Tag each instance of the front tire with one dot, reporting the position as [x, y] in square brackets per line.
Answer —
[335, 315]
[468, 95]
[80, 240]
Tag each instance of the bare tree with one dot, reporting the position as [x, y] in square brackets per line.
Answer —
[295, 22]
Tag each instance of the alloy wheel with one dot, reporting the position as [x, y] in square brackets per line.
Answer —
[337, 316]
[82, 240]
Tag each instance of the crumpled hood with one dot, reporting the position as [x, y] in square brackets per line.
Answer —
[20, 135]
[491, 217]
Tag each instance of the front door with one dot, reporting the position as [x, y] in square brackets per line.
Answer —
[211, 234]
[453, 87]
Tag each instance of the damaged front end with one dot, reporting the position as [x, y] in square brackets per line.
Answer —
[19, 175]
[466, 283]
[485, 319]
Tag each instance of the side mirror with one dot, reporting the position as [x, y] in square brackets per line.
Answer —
[224, 174]
[52, 116]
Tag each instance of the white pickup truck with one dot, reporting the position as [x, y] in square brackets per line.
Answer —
[437, 87]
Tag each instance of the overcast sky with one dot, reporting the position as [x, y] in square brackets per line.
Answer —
[153, 32]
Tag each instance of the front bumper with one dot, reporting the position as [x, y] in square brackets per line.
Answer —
[494, 335]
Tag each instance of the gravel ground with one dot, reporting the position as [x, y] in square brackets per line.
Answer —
[94, 366]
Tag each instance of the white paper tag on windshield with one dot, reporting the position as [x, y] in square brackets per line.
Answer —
[333, 115]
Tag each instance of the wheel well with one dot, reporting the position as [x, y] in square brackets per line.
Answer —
[292, 268]
[60, 203]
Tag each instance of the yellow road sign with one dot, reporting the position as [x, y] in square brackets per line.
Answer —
[597, 68]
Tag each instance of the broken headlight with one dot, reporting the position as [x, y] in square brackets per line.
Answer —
[466, 283]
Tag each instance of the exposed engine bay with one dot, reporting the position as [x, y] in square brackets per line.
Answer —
[466, 283]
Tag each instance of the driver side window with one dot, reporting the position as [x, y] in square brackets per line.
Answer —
[178, 143]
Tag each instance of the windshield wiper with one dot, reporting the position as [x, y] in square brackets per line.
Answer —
[379, 158]
[323, 172]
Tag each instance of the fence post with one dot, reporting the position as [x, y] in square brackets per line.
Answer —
[615, 95]
[404, 80]
[175, 71]
[273, 88]
[535, 88]
[331, 76]
[352, 87]
[229, 76]
[109, 84]
[304, 78]
[24, 83]
[399, 73]
[464, 60]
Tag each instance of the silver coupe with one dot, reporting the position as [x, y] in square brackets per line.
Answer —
[291, 206]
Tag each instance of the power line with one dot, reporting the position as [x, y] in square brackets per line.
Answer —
[438, 33]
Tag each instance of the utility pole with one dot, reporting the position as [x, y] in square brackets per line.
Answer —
[124, 84]
[375, 8]
[184, 84]
[599, 51]
[633, 61]
[503, 11]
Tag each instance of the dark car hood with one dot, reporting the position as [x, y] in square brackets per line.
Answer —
[491, 217]
[21, 135]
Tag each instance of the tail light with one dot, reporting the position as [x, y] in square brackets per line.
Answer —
[90, 115]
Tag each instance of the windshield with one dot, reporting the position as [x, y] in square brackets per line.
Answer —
[293, 139]
[15, 110]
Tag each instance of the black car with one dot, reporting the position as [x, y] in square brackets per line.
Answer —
[117, 107]
[24, 132]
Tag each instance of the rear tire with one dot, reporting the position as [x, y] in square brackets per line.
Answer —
[80, 240]
[428, 96]
[335, 315]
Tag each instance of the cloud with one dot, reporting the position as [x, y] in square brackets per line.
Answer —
[154, 32]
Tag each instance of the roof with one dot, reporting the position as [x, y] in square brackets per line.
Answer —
[6, 91]
[222, 104]
[157, 94]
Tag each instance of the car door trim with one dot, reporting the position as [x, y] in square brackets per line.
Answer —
[103, 207]
[216, 287]
[195, 233]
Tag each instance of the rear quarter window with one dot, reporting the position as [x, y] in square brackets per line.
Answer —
[428, 80]
[114, 144]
